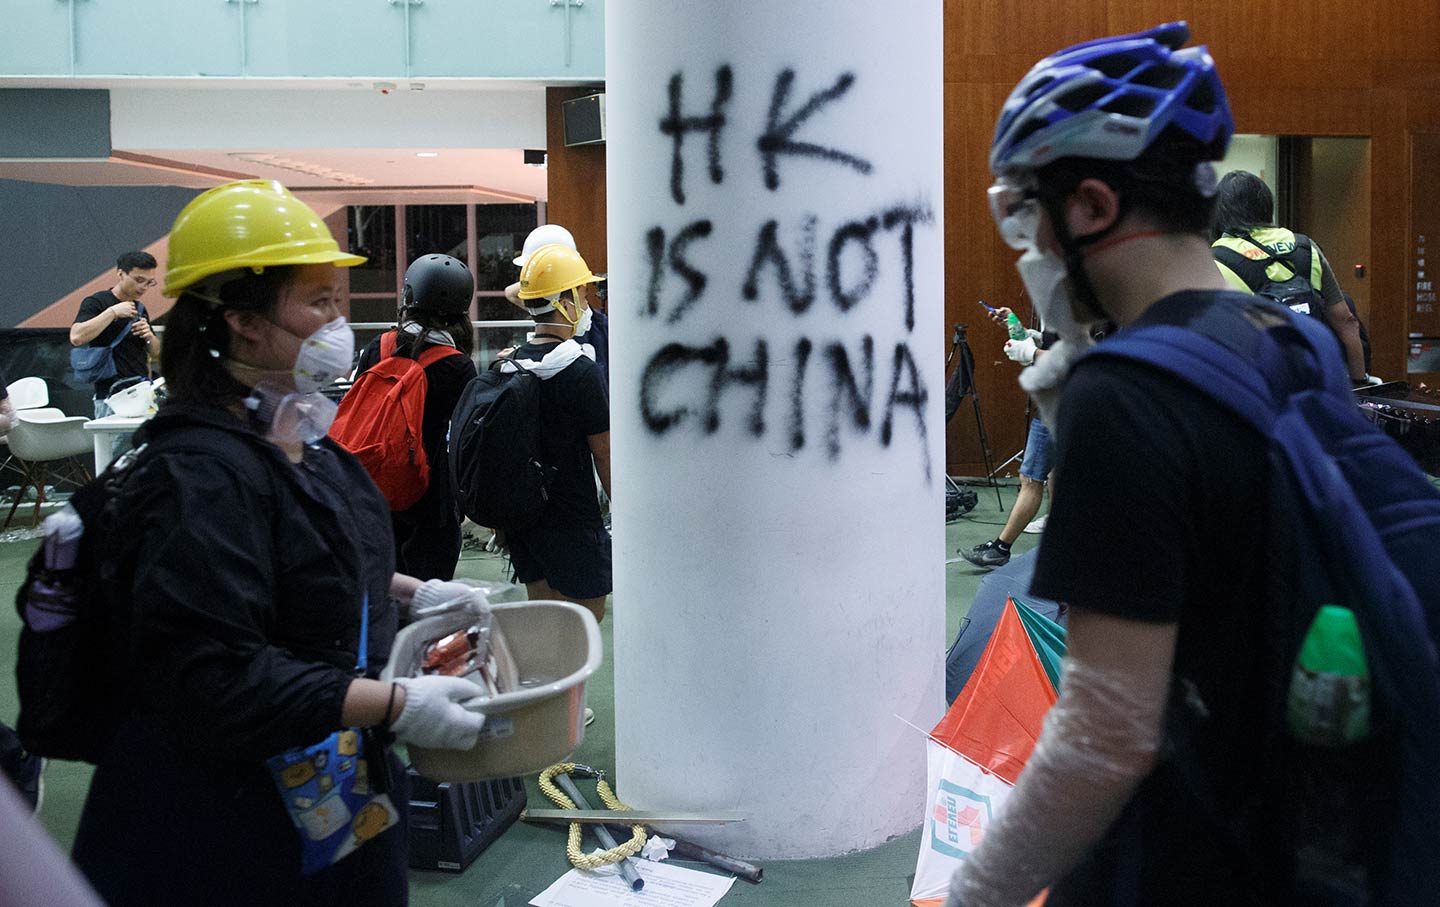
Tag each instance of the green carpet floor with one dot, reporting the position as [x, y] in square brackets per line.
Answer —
[528, 858]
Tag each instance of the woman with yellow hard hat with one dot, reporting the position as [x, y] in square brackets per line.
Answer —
[249, 559]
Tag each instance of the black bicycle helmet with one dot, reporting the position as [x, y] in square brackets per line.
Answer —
[438, 283]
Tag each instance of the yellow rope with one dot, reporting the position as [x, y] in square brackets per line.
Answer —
[572, 846]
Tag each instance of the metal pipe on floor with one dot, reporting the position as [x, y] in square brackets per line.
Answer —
[627, 869]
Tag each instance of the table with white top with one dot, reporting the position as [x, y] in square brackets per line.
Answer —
[103, 432]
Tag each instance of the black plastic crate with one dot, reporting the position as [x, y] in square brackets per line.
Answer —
[451, 824]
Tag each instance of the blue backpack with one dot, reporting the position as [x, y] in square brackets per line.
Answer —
[1371, 520]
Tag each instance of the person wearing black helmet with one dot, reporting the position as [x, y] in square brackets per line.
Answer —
[1104, 179]
[434, 312]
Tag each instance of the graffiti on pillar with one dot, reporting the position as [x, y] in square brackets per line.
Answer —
[830, 390]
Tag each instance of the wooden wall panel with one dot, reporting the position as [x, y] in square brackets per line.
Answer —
[1340, 68]
[1402, 30]
[1024, 29]
[1390, 204]
[576, 178]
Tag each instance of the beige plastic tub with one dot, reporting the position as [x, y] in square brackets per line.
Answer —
[556, 647]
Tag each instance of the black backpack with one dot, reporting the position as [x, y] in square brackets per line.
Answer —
[498, 477]
[71, 666]
[1361, 529]
[1295, 292]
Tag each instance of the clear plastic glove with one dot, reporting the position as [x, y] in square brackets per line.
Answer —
[1034, 335]
[433, 716]
[1021, 351]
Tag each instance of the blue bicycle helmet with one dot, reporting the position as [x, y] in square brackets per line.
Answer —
[1110, 98]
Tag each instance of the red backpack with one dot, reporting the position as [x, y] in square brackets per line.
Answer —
[380, 420]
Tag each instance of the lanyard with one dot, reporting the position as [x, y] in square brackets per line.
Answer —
[362, 659]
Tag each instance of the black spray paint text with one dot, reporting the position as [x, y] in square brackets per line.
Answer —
[688, 383]
[793, 264]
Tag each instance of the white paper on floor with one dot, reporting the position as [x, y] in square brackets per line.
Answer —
[666, 885]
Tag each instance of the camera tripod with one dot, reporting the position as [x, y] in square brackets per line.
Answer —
[961, 384]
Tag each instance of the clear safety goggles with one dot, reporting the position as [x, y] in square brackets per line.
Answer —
[1015, 205]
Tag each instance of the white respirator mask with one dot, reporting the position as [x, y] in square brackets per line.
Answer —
[324, 356]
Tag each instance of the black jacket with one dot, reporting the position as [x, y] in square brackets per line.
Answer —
[245, 576]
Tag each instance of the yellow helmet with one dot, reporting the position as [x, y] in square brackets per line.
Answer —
[553, 269]
[247, 224]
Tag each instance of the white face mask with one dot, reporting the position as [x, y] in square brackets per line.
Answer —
[1043, 274]
[324, 356]
[585, 320]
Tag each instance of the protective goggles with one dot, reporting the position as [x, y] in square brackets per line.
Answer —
[1015, 205]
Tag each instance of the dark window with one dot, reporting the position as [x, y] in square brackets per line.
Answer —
[500, 232]
[372, 234]
[435, 228]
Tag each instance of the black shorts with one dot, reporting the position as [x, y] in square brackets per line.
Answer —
[575, 561]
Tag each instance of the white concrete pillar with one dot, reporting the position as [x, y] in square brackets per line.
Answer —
[775, 201]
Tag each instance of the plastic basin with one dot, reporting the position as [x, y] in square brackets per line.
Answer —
[556, 647]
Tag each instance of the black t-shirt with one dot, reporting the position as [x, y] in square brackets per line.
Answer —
[1162, 518]
[445, 380]
[130, 354]
[573, 406]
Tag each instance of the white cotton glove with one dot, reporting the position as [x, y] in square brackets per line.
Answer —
[434, 593]
[1371, 380]
[1021, 351]
[433, 716]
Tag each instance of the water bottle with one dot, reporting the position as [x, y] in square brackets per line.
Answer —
[1016, 329]
[1329, 698]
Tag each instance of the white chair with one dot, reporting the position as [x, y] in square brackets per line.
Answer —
[28, 393]
[46, 444]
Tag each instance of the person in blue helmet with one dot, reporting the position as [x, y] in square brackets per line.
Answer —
[1102, 157]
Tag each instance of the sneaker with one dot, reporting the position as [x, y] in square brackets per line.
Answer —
[589, 716]
[986, 555]
[1037, 525]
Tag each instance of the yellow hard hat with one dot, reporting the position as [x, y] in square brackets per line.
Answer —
[247, 224]
[553, 269]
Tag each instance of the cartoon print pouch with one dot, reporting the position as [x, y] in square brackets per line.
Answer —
[328, 791]
[336, 795]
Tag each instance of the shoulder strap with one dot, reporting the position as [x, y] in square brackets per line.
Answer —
[1306, 261]
[1272, 257]
[390, 340]
[436, 353]
[124, 332]
[1251, 272]
[1245, 369]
